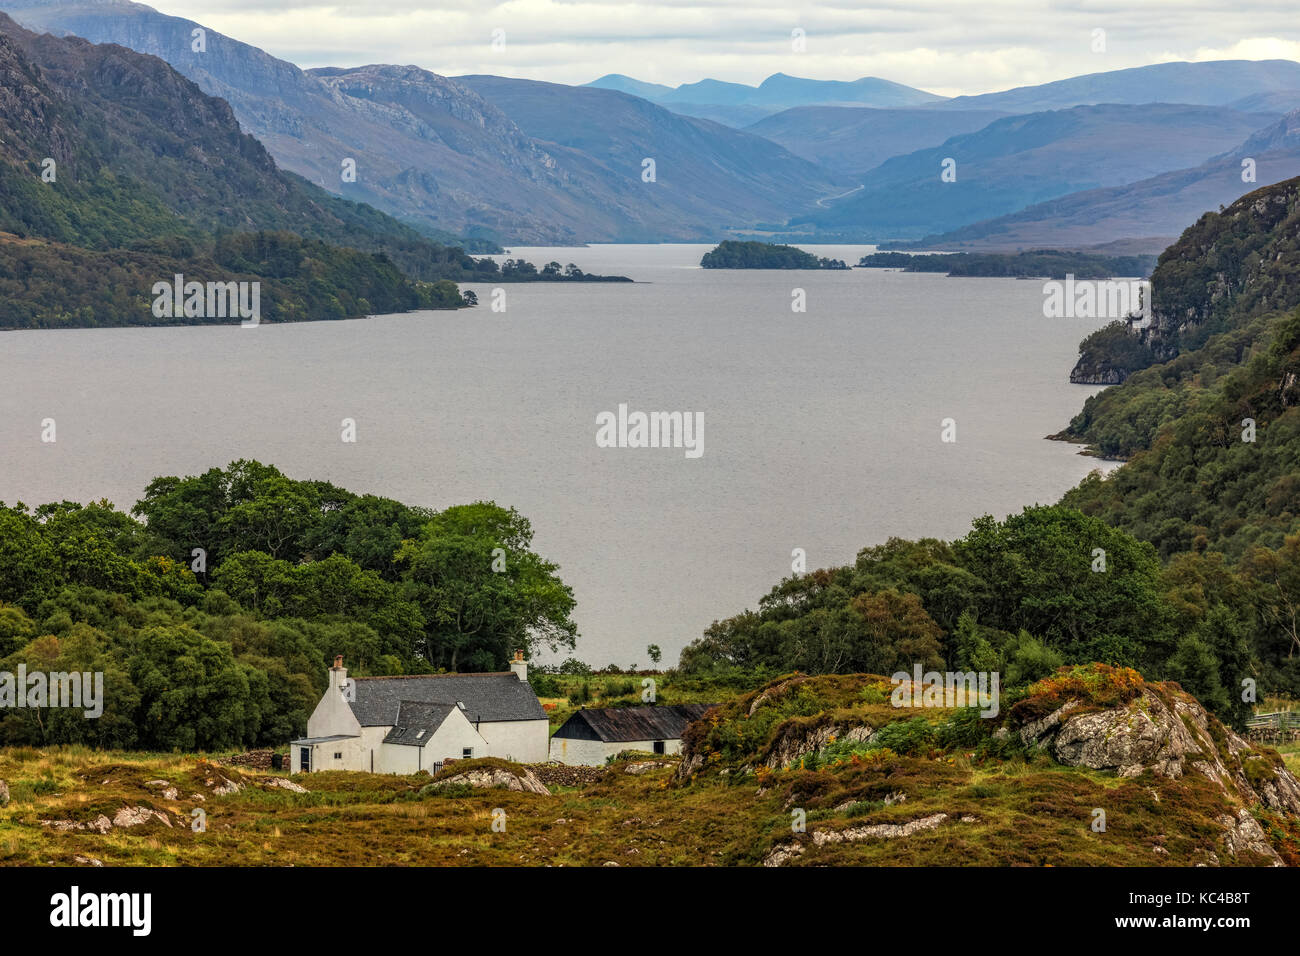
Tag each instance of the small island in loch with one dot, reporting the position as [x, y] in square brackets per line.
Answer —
[733, 254]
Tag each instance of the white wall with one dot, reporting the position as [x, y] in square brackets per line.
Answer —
[594, 753]
[322, 755]
[449, 740]
[333, 715]
[523, 741]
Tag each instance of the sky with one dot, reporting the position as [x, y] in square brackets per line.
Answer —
[946, 47]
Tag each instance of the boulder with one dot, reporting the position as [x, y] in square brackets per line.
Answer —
[501, 778]
[1170, 734]
[168, 791]
[135, 816]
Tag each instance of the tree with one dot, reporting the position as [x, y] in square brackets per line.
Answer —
[193, 694]
[1085, 588]
[482, 591]
[899, 633]
[656, 655]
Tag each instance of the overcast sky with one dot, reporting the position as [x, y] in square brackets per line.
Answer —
[974, 46]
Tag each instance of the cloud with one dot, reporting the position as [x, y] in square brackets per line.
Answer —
[939, 45]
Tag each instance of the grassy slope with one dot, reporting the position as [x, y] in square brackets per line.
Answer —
[1024, 810]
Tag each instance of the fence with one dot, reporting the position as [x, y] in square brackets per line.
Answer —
[1276, 727]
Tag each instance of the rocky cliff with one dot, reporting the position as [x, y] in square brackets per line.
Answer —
[878, 783]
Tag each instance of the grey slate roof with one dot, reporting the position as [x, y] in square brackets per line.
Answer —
[626, 724]
[416, 722]
[487, 697]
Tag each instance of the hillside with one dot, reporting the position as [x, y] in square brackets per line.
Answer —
[703, 172]
[805, 771]
[1153, 211]
[854, 140]
[1018, 161]
[124, 173]
[1211, 83]
[141, 152]
[433, 152]
[1213, 430]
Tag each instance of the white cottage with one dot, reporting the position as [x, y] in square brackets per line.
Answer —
[592, 736]
[413, 723]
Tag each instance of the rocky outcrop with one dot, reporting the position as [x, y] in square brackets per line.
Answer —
[1095, 373]
[136, 816]
[125, 818]
[784, 853]
[879, 831]
[4, 793]
[1170, 734]
[1244, 834]
[797, 741]
[500, 778]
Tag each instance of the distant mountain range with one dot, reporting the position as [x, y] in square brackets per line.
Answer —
[444, 158]
[1212, 83]
[853, 140]
[1246, 85]
[1154, 210]
[1017, 161]
[490, 159]
[738, 104]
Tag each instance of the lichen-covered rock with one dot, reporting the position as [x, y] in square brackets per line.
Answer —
[101, 825]
[796, 742]
[783, 853]
[879, 831]
[135, 816]
[1168, 732]
[222, 786]
[520, 779]
[168, 791]
[4, 793]
[1244, 834]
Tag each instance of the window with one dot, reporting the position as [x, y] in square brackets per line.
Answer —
[338, 756]
[304, 759]
[659, 746]
[419, 735]
[467, 753]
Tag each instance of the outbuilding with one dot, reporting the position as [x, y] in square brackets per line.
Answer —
[593, 735]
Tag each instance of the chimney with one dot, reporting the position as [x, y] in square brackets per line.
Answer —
[520, 666]
[338, 673]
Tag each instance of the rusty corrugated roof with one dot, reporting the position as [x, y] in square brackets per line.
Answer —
[626, 724]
